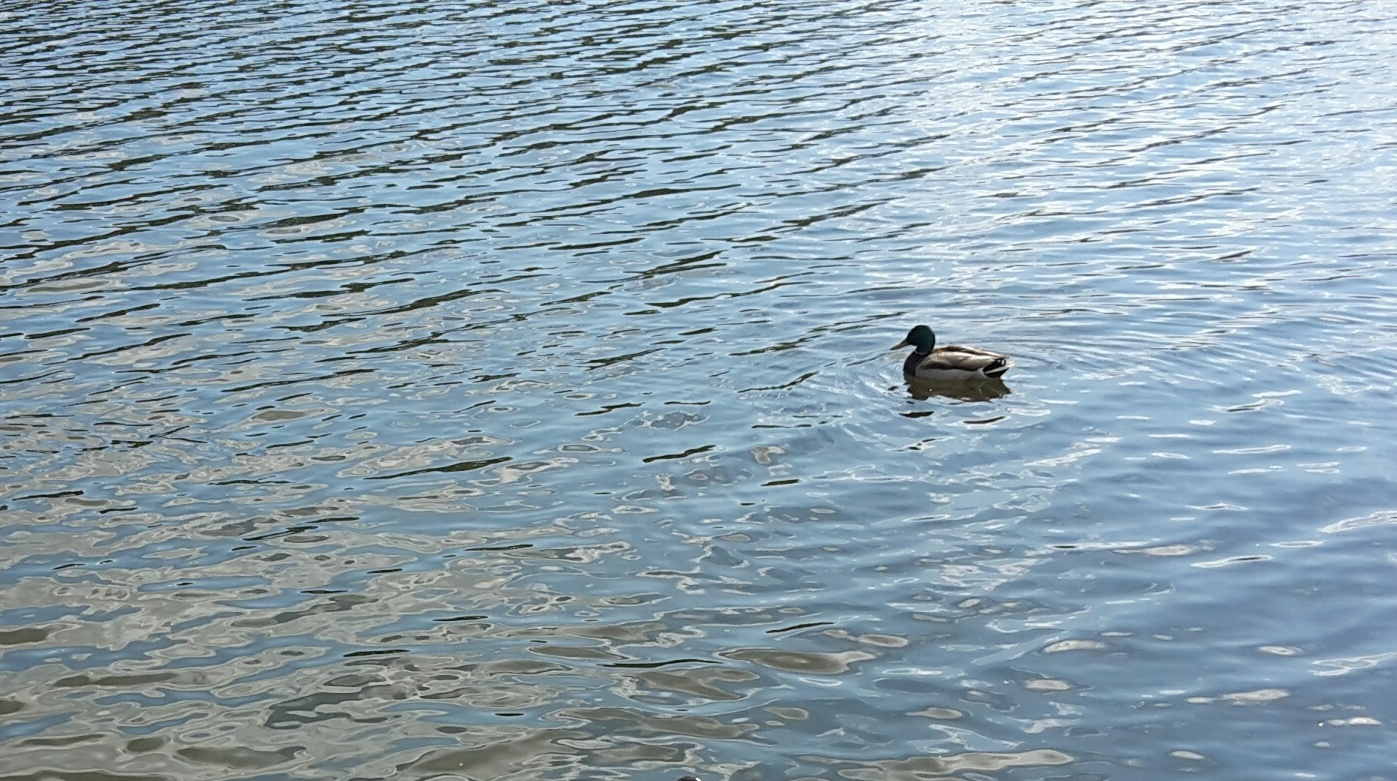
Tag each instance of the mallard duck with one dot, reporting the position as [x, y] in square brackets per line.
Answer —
[952, 362]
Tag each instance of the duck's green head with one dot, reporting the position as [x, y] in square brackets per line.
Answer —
[920, 337]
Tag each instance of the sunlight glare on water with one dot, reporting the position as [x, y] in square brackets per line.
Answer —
[496, 391]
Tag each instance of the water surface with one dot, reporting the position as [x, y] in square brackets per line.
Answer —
[502, 392]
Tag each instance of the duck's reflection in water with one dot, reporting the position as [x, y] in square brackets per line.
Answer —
[983, 390]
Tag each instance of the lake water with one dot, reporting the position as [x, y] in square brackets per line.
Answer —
[503, 391]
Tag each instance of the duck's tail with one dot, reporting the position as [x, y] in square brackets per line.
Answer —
[997, 368]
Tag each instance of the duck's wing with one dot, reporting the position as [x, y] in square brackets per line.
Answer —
[964, 360]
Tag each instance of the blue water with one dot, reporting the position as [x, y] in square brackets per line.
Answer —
[488, 391]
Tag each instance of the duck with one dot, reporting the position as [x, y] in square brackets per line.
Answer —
[953, 362]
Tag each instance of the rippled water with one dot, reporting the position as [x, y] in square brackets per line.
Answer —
[501, 391]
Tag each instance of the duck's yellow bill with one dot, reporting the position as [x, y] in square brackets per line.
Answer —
[900, 345]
